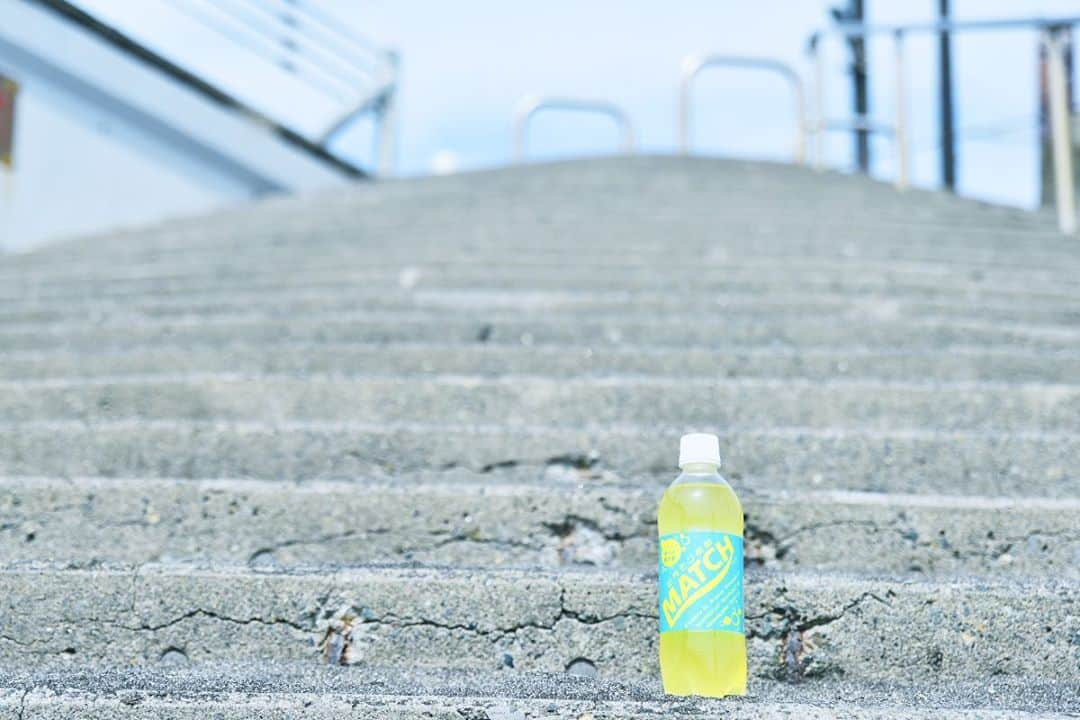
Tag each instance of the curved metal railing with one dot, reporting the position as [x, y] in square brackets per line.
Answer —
[694, 64]
[529, 106]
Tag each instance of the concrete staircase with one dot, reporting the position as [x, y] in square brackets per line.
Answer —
[396, 452]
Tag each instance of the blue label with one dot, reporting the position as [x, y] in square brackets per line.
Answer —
[701, 581]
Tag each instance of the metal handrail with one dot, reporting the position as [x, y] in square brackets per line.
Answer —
[865, 123]
[384, 104]
[297, 37]
[311, 14]
[217, 18]
[694, 64]
[860, 123]
[1053, 39]
[287, 34]
[898, 131]
[116, 40]
[530, 105]
[850, 29]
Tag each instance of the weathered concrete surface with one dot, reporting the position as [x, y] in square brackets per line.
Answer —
[615, 193]
[448, 240]
[1015, 464]
[506, 328]
[517, 517]
[710, 271]
[425, 359]
[988, 255]
[798, 626]
[274, 690]
[490, 372]
[411, 295]
[527, 400]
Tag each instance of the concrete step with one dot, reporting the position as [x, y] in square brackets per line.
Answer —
[574, 305]
[556, 200]
[741, 404]
[438, 264]
[957, 364]
[798, 625]
[511, 328]
[239, 691]
[1012, 463]
[349, 273]
[646, 238]
[516, 517]
[780, 200]
[417, 247]
[727, 181]
[563, 193]
[559, 199]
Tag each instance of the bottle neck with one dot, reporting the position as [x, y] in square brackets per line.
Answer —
[700, 469]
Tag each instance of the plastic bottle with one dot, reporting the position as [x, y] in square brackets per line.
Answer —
[702, 643]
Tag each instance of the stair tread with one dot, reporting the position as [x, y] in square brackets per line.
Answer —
[239, 690]
[470, 617]
[956, 364]
[1016, 463]
[556, 515]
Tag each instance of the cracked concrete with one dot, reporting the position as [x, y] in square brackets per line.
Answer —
[416, 455]
[1011, 464]
[956, 365]
[555, 514]
[739, 405]
[543, 621]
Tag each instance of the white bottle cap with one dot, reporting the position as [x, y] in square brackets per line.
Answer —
[699, 448]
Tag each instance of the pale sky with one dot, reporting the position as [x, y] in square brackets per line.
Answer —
[465, 65]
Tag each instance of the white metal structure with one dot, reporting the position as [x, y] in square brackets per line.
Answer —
[530, 105]
[897, 131]
[1060, 129]
[1053, 33]
[175, 142]
[187, 121]
[694, 64]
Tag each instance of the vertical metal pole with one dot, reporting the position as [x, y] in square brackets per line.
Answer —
[800, 121]
[518, 152]
[627, 132]
[901, 137]
[689, 69]
[819, 102]
[386, 137]
[945, 102]
[1060, 136]
[9, 92]
[859, 80]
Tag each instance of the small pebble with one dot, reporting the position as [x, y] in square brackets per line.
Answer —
[582, 668]
[174, 656]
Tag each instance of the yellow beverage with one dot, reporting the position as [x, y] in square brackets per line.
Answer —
[702, 645]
